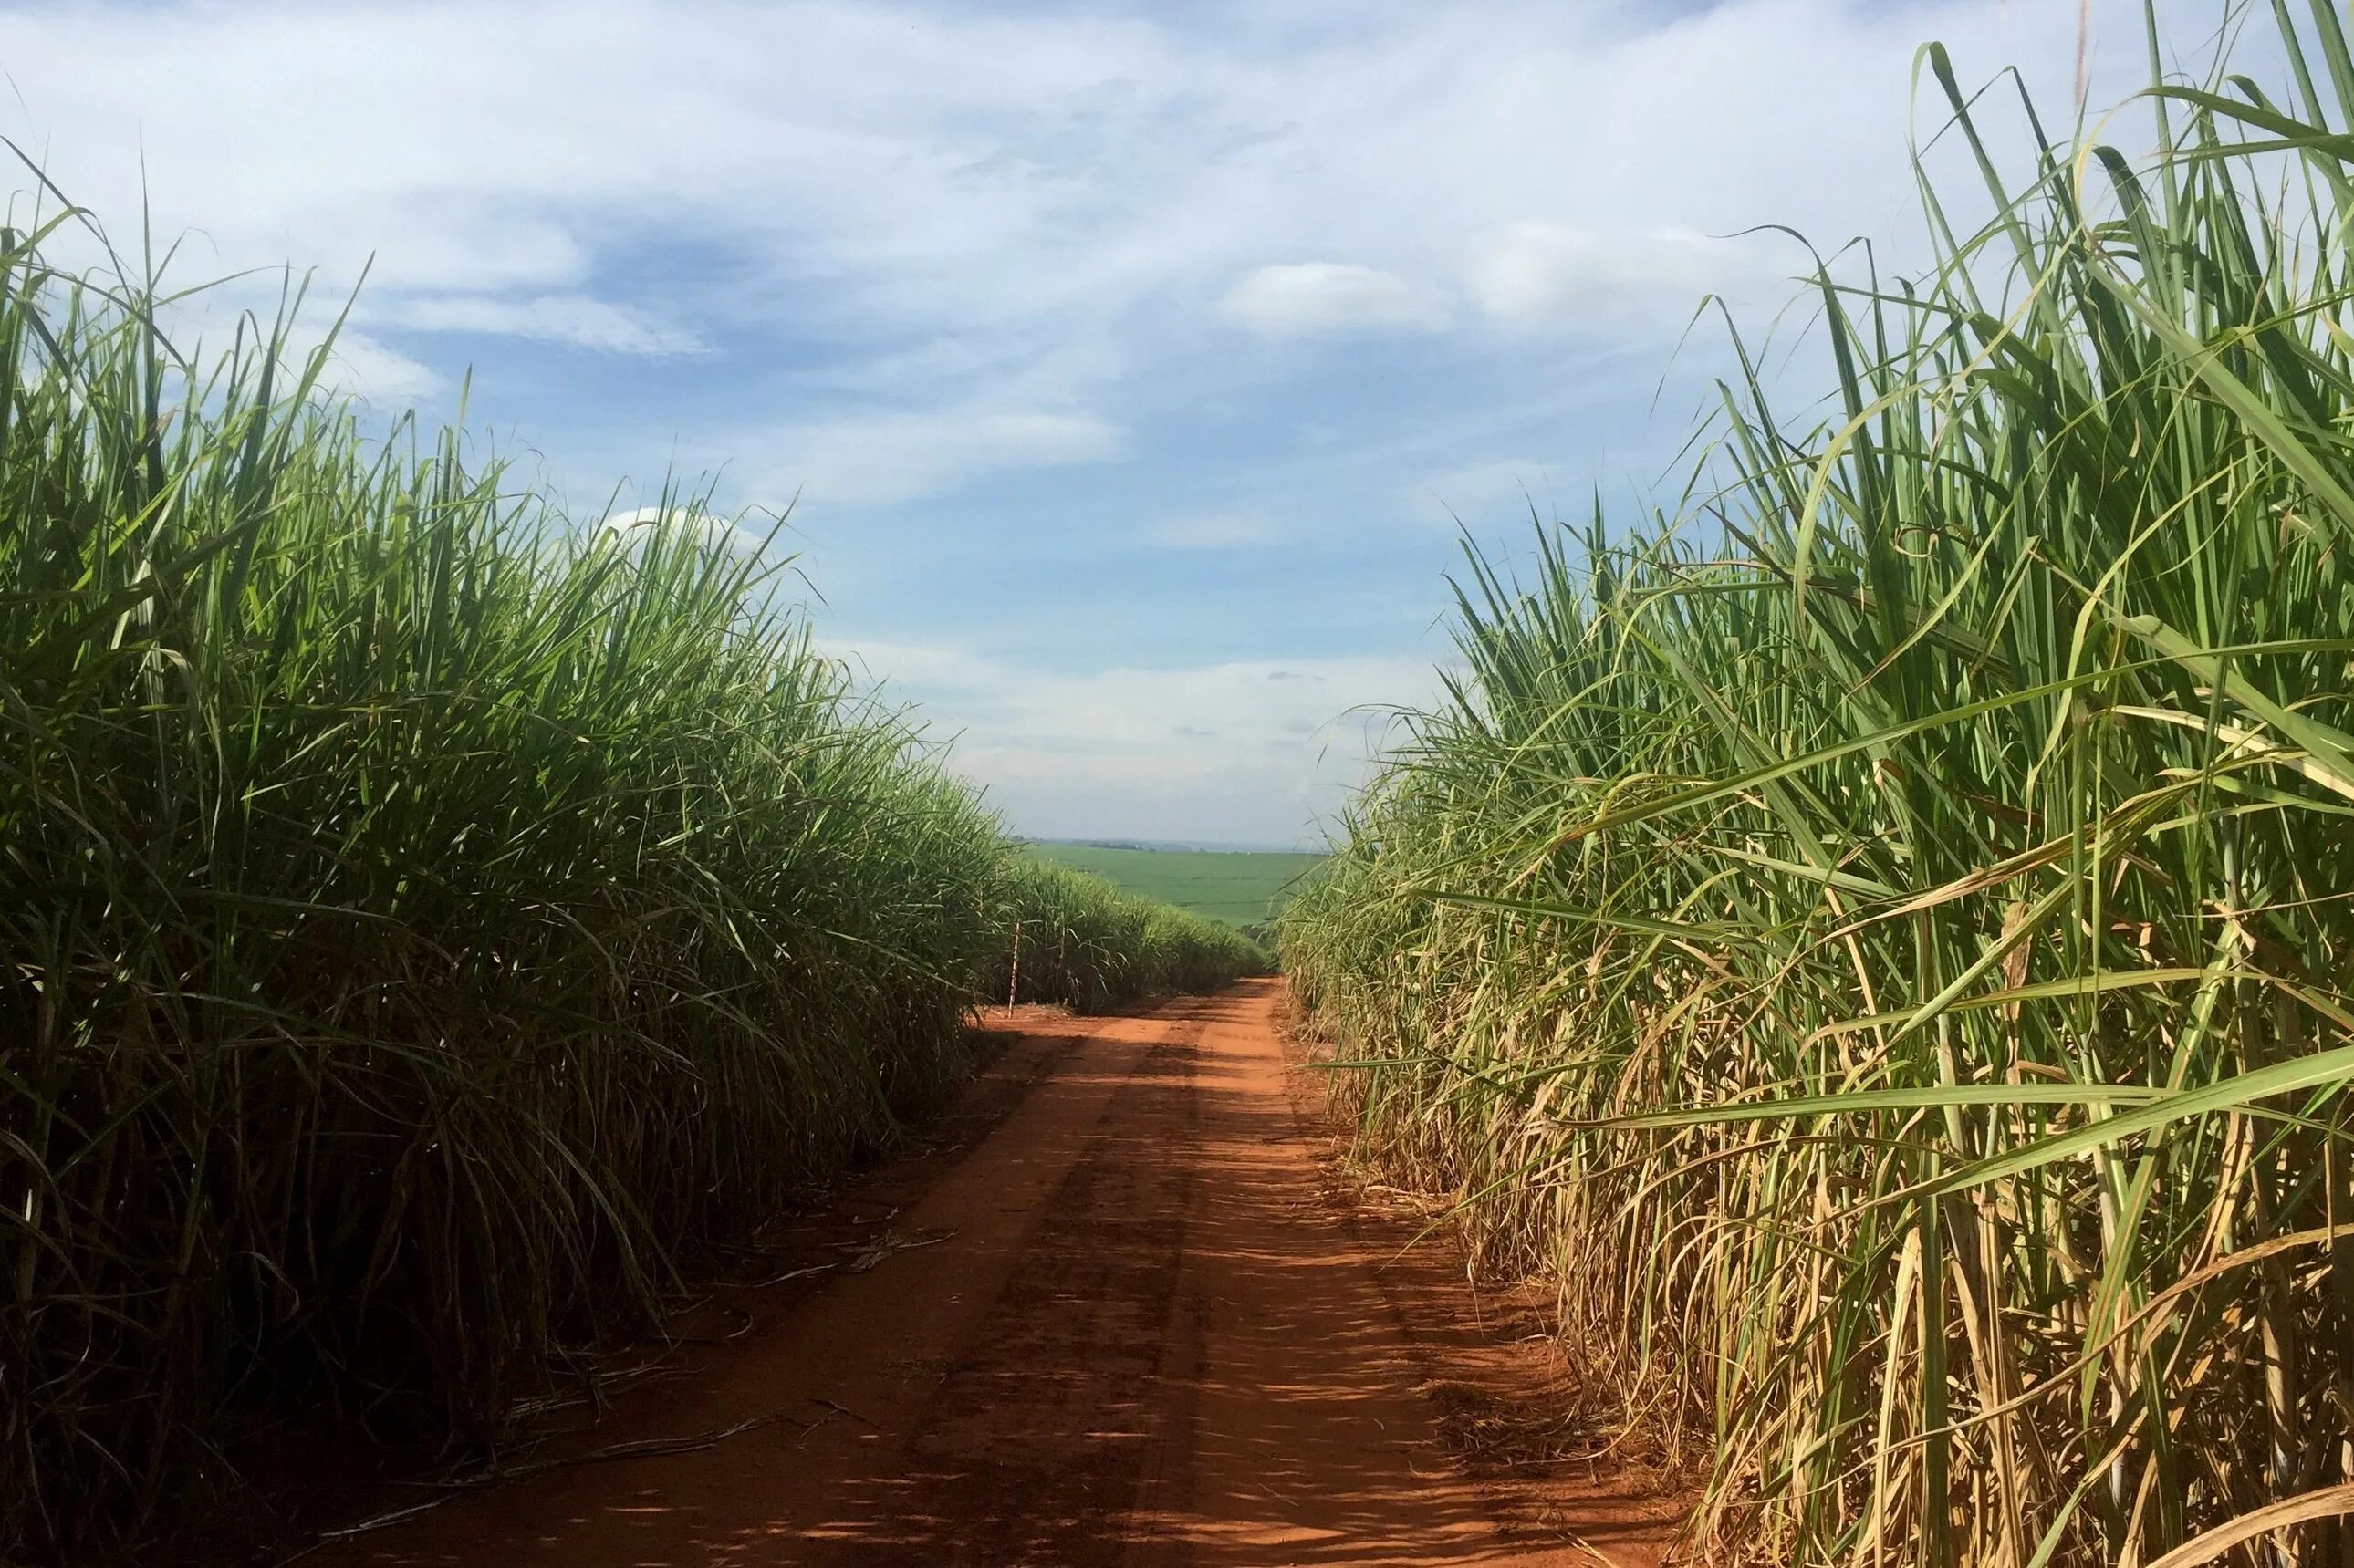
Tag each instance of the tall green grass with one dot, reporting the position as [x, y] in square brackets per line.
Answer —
[1082, 942]
[1881, 939]
[427, 922]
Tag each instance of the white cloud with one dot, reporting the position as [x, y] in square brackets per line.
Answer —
[901, 457]
[1057, 223]
[364, 367]
[1309, 298]
[1256, 751]
[739, 539]
[575, 319]
[1604, 281]
[1100, 164]
[358, 365]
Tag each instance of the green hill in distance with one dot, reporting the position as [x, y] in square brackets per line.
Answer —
[1242, 888]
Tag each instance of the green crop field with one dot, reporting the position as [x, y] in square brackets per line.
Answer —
[1240, 887]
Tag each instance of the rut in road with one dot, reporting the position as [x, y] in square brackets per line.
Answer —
[1125, 1327]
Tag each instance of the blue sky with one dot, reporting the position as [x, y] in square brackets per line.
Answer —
[1132, 365]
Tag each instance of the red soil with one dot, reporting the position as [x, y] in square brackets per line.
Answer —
[1136, 1318]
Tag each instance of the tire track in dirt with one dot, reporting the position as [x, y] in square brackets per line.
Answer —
[1138, 1333]
[1035, 1441]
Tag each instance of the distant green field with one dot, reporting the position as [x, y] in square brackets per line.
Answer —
[1240, 888]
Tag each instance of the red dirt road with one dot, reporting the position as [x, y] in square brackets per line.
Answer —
[1128, 1324]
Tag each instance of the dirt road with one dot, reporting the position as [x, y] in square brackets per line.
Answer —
[1127, 1323]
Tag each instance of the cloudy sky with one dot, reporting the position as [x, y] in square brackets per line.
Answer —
[1133, 366]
